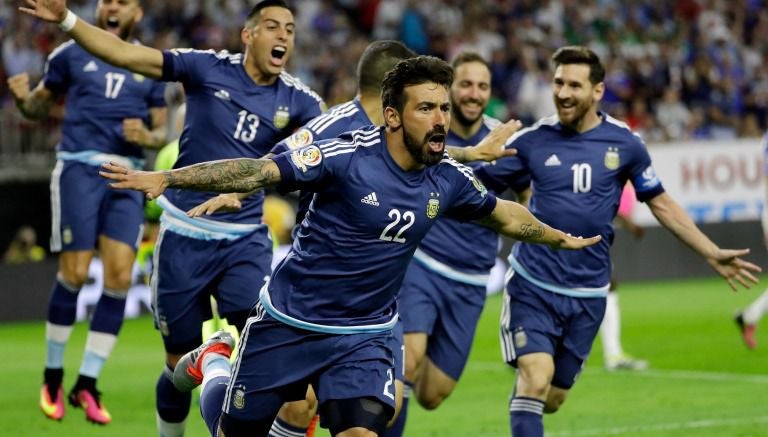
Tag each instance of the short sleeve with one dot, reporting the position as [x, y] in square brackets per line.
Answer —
[156, 98]
[646, 183]
[470, 198]
[186, 65]
[306, 168]
[56, 74]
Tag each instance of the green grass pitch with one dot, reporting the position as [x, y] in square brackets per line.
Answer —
[702, 380]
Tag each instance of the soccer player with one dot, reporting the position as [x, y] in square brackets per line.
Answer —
[443, 293]
[579, 161]
[110, 115]
[748, 318]
[378, 191]
[238, 105]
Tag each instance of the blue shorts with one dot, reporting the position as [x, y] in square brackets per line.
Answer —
[84, 207]
[276, 362]
[189, 271]
[445, 309]
[398, 350]
[538, 320]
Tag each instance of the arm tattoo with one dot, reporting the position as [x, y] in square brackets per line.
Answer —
[531, 231]
[226, 176]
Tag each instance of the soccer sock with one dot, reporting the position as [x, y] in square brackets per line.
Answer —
[216, 375]
[172, 406]
[52, 378]
[62, 310]
[610, 330]
[281, 428]
[754, 312]
[105, 325]
[525, 417]
[398, 427]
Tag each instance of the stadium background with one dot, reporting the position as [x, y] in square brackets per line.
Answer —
[691, 76]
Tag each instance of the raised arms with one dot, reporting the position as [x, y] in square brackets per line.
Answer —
[35, 104]
[515, 221]
[226, 176]
[134, 57]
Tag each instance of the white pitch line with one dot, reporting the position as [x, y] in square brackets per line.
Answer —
[695, 424]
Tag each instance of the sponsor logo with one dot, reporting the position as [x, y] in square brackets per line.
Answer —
[371, 199]
[282, 117]
[552, 161]
[612, 160]
[300, 138]
[90, 66]
[222, 94]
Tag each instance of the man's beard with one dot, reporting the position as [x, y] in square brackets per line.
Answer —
[579, 112]
[461, 119]
[419, 150]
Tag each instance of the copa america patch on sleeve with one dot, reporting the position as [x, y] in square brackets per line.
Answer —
[306, 157]
[300, 138]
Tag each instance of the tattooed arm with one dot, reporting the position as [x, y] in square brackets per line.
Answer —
[226, 176]
[515, 221]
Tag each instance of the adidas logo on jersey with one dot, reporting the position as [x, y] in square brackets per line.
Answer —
[371, 199]
[552, 161]
[90, 66]
[222, 94]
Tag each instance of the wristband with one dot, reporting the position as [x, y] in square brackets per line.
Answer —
[68, 22]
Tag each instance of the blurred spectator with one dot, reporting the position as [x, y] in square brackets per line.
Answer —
[674, 117]
[24, 247]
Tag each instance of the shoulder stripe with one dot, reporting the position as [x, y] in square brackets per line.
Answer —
[463, 169]
[546, 121]
[299, 85]
[360, 138]
[622, 125]
[322, 122]
[60, 49]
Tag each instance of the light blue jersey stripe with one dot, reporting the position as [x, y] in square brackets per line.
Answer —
[572, 292]
[449, 272]
[266, 302]
[175, 220]
[96, 158]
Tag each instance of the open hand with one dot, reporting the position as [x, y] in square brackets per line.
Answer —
[53, 11]
[151, 183]
[223, 202]
[733, 269]
[492, 147]
[571, 243]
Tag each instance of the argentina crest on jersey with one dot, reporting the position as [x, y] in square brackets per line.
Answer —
[433, 205]
[612, 158]
[282, 117]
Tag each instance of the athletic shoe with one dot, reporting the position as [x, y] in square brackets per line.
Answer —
[188, 373]
[53, 409]
[747, 331]
[625, 362]
[90, 401]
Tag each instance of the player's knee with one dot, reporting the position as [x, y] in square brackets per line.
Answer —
[74, 275]
[431, 401]
[298, 414]
[555, 400]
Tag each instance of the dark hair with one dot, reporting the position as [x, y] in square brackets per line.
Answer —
[581, 55]
[257, 8]
[467, 57]
[413, 71]
[377, 59]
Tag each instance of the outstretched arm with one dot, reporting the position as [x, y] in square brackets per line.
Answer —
[515, 221]
[491, 147]
[725, 262]
[224, 176]
[102, 44]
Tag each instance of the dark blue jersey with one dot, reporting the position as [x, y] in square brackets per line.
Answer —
[230, 116]
[99, 97]
[576, 181]
[450, 237]
[341, 118]
[351, 251]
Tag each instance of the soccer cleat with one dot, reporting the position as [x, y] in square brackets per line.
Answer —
[188, 373]
[747, 331]
[89, 401]
[53, 409]
[625, 362]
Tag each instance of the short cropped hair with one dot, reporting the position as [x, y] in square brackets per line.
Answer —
[258, 7]
[467, 57]
[581, 55]
[377, 59]
[413, 71]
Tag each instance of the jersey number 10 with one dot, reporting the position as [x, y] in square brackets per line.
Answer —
[582, 178]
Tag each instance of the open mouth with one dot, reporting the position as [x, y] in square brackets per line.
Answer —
[113, 22]
[278, 52]
[436, 143]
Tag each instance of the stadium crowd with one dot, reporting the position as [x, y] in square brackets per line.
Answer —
[684, 69]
